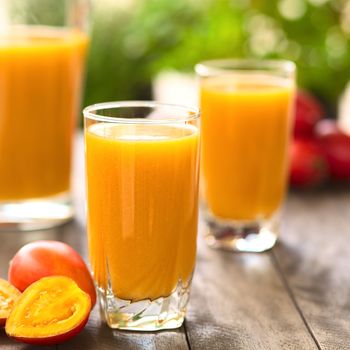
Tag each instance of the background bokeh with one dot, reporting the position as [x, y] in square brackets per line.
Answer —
[134, 40]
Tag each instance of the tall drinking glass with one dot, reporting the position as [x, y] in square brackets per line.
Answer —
[42, 52]
[142, 165]
[247, 108]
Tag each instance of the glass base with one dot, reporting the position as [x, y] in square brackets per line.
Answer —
[35, 214]
[246, 236]
[145, 315]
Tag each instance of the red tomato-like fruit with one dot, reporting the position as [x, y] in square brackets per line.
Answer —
[309, 166]
[336, 147]
[49, 258]
[308, 111]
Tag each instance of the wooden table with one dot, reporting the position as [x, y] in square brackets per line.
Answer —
[296, 296]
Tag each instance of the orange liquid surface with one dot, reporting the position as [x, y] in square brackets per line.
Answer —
[40, 86]
[245, 132]
[142, 185]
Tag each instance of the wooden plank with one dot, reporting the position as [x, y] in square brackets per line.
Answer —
[314, 255]
[239, 302]
[97, 335]
[9, 344]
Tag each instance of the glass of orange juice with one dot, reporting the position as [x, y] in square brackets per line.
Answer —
[42, 52]
[142, 167]
[247, 109]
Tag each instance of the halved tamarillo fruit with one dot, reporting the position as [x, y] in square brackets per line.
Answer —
[8, 295]
[50, 311]
[41, 259]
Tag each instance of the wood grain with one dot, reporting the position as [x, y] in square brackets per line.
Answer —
[9, 344]
[97, 335]
[239, 302]
[314, 255]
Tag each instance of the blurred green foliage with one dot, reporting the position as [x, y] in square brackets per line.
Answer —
[134, 40]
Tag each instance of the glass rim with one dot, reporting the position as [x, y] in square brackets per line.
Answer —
[91, 112]
[225, 65]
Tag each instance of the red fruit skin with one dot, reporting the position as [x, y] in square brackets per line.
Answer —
[308, 167]
[56, 339]
[308, 111]
[336, 148]
[48, 258]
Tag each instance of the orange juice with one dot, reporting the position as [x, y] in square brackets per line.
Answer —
[142, 184]
[40, 86]
[245, 126]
